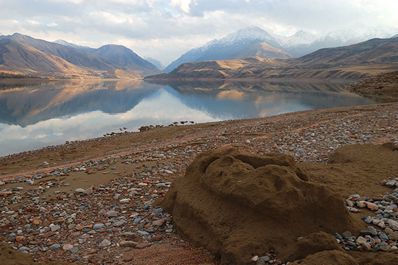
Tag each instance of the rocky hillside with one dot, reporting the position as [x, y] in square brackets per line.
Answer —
[349, 63]
[28, 56]
[382, 88]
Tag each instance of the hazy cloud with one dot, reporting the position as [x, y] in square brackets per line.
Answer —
[164, 29]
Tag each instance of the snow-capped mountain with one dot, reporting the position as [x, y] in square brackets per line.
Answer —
[254, 41]
[301, 37]
[248, 42]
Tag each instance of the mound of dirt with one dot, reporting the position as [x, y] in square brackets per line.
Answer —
[238, 205]
[332, 257]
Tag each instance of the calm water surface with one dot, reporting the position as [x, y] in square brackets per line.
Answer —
[46, 114]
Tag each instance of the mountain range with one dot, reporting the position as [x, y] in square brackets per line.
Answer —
[243, 54]
[256, 42]
[347, 62]
[248, 42]
[21, 54]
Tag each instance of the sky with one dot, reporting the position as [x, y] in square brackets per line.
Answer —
[164, 29]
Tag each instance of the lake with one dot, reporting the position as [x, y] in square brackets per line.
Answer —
[34, 116]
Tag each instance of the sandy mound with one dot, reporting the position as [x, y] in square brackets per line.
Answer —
[332, 257]
[238, 206]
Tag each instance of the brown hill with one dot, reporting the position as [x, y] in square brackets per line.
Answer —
[348, 63]
[382, 88]
[28, 56]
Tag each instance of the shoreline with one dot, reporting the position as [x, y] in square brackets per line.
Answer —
[181, 127]
[105, 174]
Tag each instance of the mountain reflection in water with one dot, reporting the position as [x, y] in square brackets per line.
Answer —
[52, 113]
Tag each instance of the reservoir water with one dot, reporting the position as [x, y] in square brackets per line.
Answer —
[34, 116]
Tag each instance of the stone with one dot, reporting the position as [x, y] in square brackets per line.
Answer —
[353, 209]
[98, 226]
[362, 242]
[124, 200]
[143, 245]
[390, 183]
[55, 246]
[67, 247]
[392, 224]
[159, 222]
[54, 227]
[80, 191]
[372, 230]
[105, 243]
[112, 213]
[127, 243]
[119, 223]
[24, 249]
[19, 239]
[263, 260]
[361, 204]
[36, 221]
[372, 206]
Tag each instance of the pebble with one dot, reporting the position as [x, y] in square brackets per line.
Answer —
[80, 191]
[127, 243]
[98, 226]
[54, 227]
[55, 246]
[104, 243]
[112, 213]
[67, 247]
[124, 200]
[263, 260]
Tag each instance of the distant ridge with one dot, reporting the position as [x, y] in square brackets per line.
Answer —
[26, 55]
[348, 62]
[248, 42]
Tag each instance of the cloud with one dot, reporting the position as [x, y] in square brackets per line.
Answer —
[165, 29]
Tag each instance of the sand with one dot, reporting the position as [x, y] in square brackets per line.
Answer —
[238, 205]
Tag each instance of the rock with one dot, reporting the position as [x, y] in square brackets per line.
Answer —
[54, 227]
[19, 239]
[24, 249]
[98, 226]
[104, 243]
[272, 183]
[353, 209]
[159, 222]
[390, 183]
[55, 246]
[119, 223]
[393, 235]
[362, 242]
[127, 243]
[372, 206]
[112, 213]
[80, 191]
[143, 245]
[67, 247]
[392, 224]
[36, 221]
[2, 183]
[124, 201]
[361, 204]
[263, 260]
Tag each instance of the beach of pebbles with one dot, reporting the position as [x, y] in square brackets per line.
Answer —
[43, 214]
